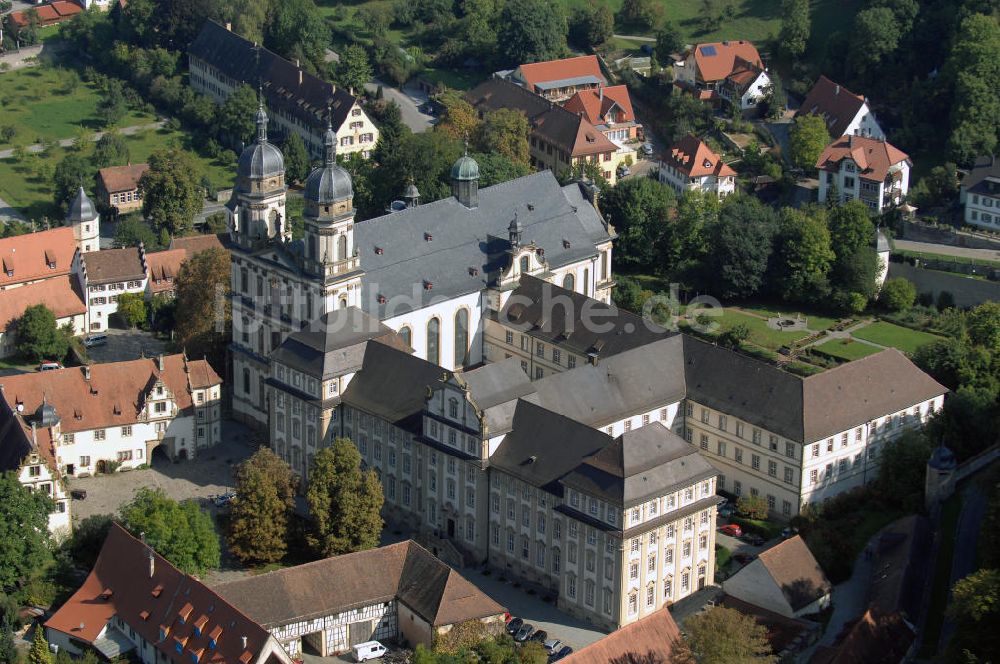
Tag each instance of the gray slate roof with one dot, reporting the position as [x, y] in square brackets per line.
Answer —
[439, 243]
[984, 169]
[81, 208]
[495, 388]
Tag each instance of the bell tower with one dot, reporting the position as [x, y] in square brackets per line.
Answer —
[258, 204]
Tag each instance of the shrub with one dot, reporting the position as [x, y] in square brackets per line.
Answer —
[897, 294]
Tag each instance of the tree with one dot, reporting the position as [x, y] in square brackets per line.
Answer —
[265, 496]
[775, 101]
[638, 14]
[875, 36]
[851, 228]
[132, 308]
[682, 241]
[668, 42]
[975, 608]
[72, 172]
[88, 539]
[807, 139]
[110, 150]
[344, 501]
[723, 636]
[734, 336]
[38, 336]
[794, 33]
[592, 25]
[530, 31]
[897, 294]
[9, 623]
[753, 507]
[171, 191]
[39, 653]
[975, 107]
[804, 255]
[354, 69]
[902, 470]
[505, 132]
[741, 242]
[24, 531]
[639, 208]
[203, 287]
[131, 230]
[984, 325]
[459, 119]
[296, 158]
[496, 168]
[182, 533]
[235, 118]
[112, 107]
[298, 31]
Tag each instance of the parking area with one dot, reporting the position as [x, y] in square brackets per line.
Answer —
[125, 345]
[211, 473]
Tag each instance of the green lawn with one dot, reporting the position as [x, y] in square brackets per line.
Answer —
[895, 336]
[35, 101]
[760, 333]
[845, 349]
[22, 188]
[815, 323]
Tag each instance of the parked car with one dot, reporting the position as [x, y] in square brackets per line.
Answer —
[788, 532]
[552, 646]
[540, 636]
[731, 529]
[95, 340]
[565, 651]
[523, 633]
[49, 366]
[726, 509]
[647, 149]
[78, 494]
[223, 499]
[513, 625]
[752, 539]
[624, 171]
[368, 650]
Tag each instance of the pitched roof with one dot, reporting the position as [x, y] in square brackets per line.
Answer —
[495, 389]
[558, 73]
[164, 266]
[139, 586]
[649, 640]
[114, 395]
[873, 157]
[743, 75]
[286, 86]
[453, 250]
[983, 177]
[29, 256]
[875, 638]
[59, 294]
[694, 158]
[392, 383]
[795, 571]
[595, 104]
[194, 244]
[121, 178]
[837, 105]
[113, 265]
[404, 571]
[717, 60]
[540, 308]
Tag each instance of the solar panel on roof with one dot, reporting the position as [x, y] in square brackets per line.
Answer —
[708, 50]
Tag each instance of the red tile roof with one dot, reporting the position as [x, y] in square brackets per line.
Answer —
[695, 159]
[796, 573]
[114, 265]
[594, 105]
[115, 395]
[647, 640]
[834, 103]
[131, 571]
[194, 244]
[60, 295]
[29, 256]
[873, 157]
[66, 9]
[724, 61]
[164, 267]
[557, 70]
[121, 178]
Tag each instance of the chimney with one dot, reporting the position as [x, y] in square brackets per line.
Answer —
[159, 362]
[229, 26]
[297, 66]
[152, 563]
[600, 92]
[836, 89]
[86, 372]
[300, 75]
[244, 642]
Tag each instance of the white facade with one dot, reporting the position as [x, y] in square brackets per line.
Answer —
[851, 185]
[981, 209]
[36, 475]
[753, 94]
[8, 337]
[707, 184]
[864, 123]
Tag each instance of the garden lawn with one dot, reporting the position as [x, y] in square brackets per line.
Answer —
[845, 349]
[815, 323]
[35, 102]
[760, 333]
[895, 336]
[22, 189]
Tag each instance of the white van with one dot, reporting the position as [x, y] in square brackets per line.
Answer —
[95, 340]
[368, 650]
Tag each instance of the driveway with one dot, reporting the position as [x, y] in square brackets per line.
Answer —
[128, 345]
[8, 212]
[948, 250]
[409, 100]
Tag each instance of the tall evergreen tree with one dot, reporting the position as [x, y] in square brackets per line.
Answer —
[39, 653]
[345, 502]
[265, 496]
[296, 158]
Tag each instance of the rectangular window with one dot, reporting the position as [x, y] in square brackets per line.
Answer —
[755, 461]
[788, 475]
[738, 455]
[99, 434]
[126, 431]
[772, 468]
[703, 442]
[790, 450]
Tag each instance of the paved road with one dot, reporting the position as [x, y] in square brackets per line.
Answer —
[947, 250]
[636, 38]
[7, 212]
[67, 142]
[409, 100]
[850, 598]
[126, 345]
[963, 561]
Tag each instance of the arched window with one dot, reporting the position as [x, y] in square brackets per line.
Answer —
[524, 264]
[341, 247]
[569, 282]
[343, 303]
[407, 335]
[434, 341]
[461, 337]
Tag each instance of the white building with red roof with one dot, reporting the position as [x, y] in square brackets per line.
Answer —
[558, 80]
[691, 165]
[843, 111]
[728, 70]
[866, 169]
[610, 110]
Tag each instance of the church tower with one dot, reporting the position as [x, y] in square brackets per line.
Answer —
[86, 223]
[329, 251]
[258, 204]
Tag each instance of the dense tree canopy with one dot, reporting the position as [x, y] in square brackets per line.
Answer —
[204, 312]
[804, 255]
[794, 33]
[344, 501]
[183, 533]
[265, 496]
[639, 209]
[530, 31]
[975, 66]
[172, 193]
[38, 336]
[807, 139]
[24, 531]
[723, 636]
[297, 161]
[741, 242]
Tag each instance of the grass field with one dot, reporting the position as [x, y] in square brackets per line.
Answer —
[815, 323]
[890, 334]
[36, 102]
[845, 349]
[760, 333]
[21, 187]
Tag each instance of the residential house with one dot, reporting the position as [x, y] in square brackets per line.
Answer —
[220, 61]
[195, 244]
[102, 417]
[560, 139]
[163, 268]
[60, 295]
[558, 80]
[843, 111]
[866, 169]
[48, 14]
[729, 71]
[118, 187]
[104, 275]
[785, 579]
[135, 604]
[36, 257]
[610, 110]
[980, 194]
[648, 640]
[400, 592]
[691, 165]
